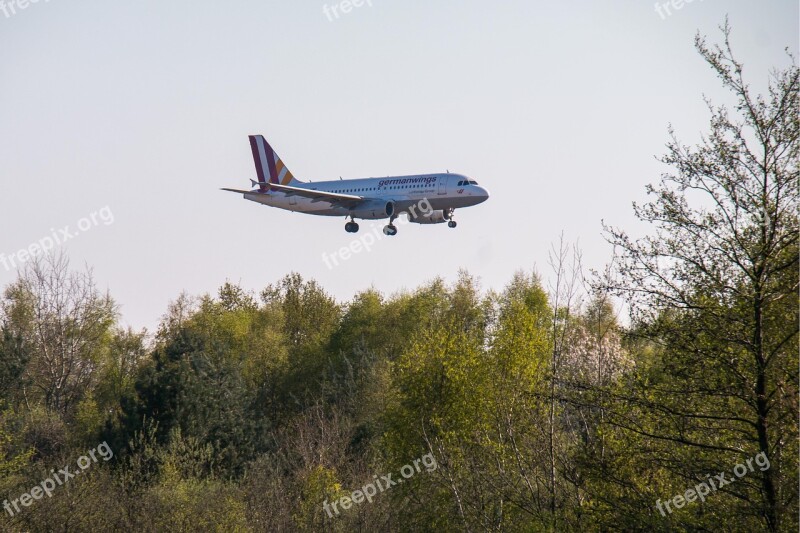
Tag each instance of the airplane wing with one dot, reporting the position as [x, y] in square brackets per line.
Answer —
[336, 199]
[333, 198]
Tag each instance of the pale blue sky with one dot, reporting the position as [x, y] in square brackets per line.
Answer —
[558, 108]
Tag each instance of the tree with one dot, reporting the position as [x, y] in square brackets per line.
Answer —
[64, 323]
[14, 357]
[309, 316]
[565, 297]
[714, 290]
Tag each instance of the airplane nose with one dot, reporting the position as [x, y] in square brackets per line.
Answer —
[483, 192]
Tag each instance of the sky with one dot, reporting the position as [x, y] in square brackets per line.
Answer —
[120, 122]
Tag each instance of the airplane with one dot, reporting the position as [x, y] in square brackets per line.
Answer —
[365, 199]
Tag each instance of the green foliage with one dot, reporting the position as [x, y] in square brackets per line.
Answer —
[59, 324]
[13, 455]
[714, 293]
[14, 357]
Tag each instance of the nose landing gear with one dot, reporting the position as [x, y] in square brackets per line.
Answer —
[448, 215]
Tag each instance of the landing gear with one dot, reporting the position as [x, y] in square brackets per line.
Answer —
[448, 215]
[390, 229]
[351, 227]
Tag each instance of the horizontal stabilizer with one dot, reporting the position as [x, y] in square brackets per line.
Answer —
[241, 191]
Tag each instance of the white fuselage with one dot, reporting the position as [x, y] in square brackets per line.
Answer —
[441, 191]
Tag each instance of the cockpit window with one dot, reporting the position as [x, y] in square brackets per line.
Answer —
[473, 182]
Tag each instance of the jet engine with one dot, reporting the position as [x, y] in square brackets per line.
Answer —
[374, 210]
[434, 217]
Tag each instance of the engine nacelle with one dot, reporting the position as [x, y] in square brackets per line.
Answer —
[375, 210]
[434, 217]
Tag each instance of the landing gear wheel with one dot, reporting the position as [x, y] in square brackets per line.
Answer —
[452, 224]
[390, 229]
[351, 227]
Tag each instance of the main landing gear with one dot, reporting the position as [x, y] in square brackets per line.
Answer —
[351, 227]
[390, 229]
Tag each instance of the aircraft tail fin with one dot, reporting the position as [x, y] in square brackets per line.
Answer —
[269, 166]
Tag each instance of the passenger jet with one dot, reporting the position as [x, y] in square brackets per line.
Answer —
[425, 198]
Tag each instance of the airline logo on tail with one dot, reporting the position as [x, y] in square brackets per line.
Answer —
[269, 166]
